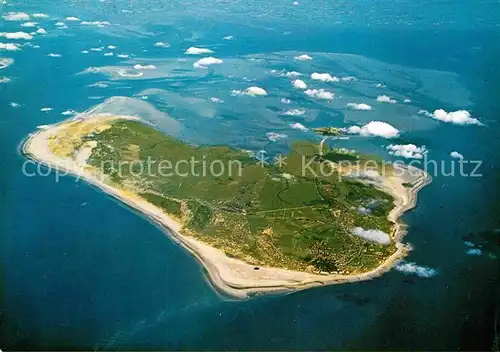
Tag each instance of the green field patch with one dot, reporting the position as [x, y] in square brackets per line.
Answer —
[270, 216]
[169, 205]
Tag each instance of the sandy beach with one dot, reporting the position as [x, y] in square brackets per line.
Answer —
[228, 275]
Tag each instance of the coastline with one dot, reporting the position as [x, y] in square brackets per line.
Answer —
[231, 276]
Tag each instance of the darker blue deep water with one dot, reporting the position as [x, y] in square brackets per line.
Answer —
[81, 271]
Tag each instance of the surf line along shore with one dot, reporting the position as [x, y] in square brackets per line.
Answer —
[231, 276]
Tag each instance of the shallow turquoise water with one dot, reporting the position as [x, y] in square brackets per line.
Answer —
[79, 270]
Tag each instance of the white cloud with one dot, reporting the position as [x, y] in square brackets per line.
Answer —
[197, 51]
[203, 63]
[68, 112]
[46, 109]
[456, 155]
[123, 56]
[229, 37]
[409, 151]
[251, 91]
[303, 57]
[299, 126]
[372, 175]
[374, 129]
[361, 106]
[108, 54]
[15, 105]
[255, 91]
[16, 16]
[376, 236]
[273, 136]
[72, 19]
[111, 47]
[54, 55]
[285, 101]
[386, 99]
[459, 117]
[349, 79]
[407, 100]
[96, 23]
[40, 15]
[16, 35]
[29, 24]
[364, 211]
[299, 84]
[84, 51]
[474, 251]
[162, 44]
[320, 94]
[294, 112]
[60, 24]
[5, 62]
[412, 268]
[9, 46]
[4, 79]
[324, 77]
[293, 74]
[93, 69]
[216, 100]
[97, 49]
[41, 31]
[98, 85]
[144, 67]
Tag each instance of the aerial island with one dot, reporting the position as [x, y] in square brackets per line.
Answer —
[256, 227]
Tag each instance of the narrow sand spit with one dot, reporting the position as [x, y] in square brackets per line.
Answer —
[228, 275]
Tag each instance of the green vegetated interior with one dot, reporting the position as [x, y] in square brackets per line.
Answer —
[267, 216]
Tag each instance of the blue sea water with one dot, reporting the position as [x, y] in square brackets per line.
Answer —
[81, 271]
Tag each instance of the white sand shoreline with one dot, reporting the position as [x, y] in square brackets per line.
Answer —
[228, 275]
